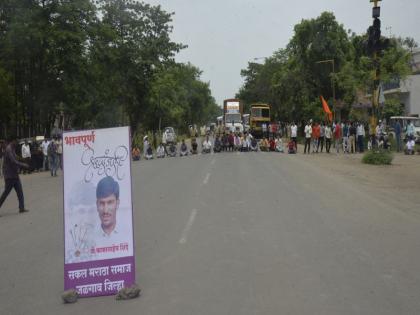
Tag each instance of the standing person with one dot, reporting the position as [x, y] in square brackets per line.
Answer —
[238, 143]
[52, 157]
[410, 130]
[360, 132]
[378, 133]
[11, 175]
[308, 137]
[26, 155]
[293, 133]
[59, 143]
[352, 137]
[346, 131]
[44, 146]
[397, 128]
[316, 134]
[337, 137]
[328, 136]
[321, 137]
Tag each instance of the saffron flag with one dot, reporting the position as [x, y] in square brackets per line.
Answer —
[326, 108]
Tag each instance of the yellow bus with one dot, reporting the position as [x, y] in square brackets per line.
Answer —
[260, 116]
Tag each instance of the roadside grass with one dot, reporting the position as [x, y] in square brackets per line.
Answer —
[376, 157]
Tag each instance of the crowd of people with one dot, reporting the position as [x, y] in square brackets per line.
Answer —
[318, 137]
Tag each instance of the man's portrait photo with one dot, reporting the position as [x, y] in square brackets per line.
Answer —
[107, 203]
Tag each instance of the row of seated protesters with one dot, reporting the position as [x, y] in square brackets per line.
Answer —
[246, 143]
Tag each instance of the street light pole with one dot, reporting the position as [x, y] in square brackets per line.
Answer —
[332, 81]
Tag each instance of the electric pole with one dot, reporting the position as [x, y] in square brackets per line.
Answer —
[375, 46]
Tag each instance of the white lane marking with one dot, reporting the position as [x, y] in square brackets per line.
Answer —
[212, 162]
[187, 228]
[206, 179]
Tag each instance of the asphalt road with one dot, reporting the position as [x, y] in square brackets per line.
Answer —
[252, 233]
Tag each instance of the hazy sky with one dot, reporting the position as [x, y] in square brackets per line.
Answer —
[223, 35]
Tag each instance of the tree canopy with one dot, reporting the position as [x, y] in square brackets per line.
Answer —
[293, 78]
[88, 64]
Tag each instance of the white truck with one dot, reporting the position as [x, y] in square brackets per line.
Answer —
[232, 115]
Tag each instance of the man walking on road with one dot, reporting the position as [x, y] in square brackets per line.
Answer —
[337, 137]
[308, 136]
[44, 146]
[397, 129]
[26, 155]
[328, 136]
[293, 134]
[316, 133]
[321, 138]
[11, 175]
[52, 157]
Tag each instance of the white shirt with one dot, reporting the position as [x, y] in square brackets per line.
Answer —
[44, 146]
[26, 151]
[59, 144]
[410, 145]
[360, 130]
[328, 132]
[207, 144]
[293, 131]
[160, 150]
[308, 131]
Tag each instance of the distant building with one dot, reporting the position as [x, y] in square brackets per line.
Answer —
[408, 91]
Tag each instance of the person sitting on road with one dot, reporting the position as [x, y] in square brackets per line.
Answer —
[409, 147]
[149, 153]
[135, 154]
[245, 144]
[272, 143]
[217, 145]
[145, 145]
[172, 150]
[225, 142]
[254, 145]
[184, 149]
[206, 145]
[249, 137]
[160, 152]
[264, 145]
[194, 146]
[291, 147]
[231, 141]
[237, 142]
[279, 145]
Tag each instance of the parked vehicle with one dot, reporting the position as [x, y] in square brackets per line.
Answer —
[232, 111]
[260, 118]
[404, 122]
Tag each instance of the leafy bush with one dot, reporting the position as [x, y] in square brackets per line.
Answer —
[378, 157]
